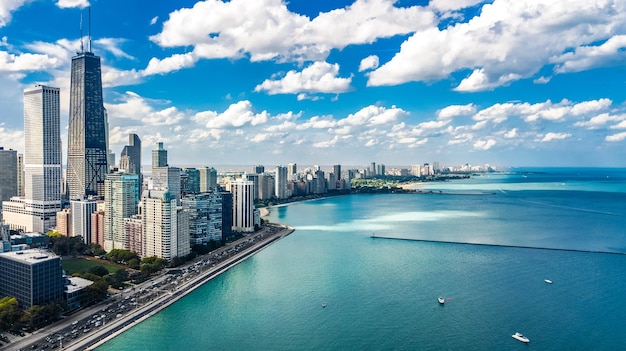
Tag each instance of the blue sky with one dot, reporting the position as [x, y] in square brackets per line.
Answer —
[508, 83]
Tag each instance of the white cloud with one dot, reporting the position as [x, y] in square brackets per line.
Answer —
[599, 121]
[484, 144]
[267, 30]
[511, 133]
[237, 115]
[616, 137]
[112, 45]
[508, 41]
[452, 5]
[64, 4]
[368, 63]
[319, 77]
[154, 20]
[169, 64]
[8, 6]
[555, 136]
[456, 110]
[611, 52]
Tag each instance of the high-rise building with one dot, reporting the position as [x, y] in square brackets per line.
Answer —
[189, 181]
[337, 171]
[87, 145]
[266, 186]
[372, 170]
[97, 227]
[164, 236]
[281, 182]
[8, 174]
[81, 218]
[292, 170]
[121, 197]
[36, 211]
[205, 217]
[33, 277]
[258, 169]
[208, 179]
[130, 159]
[133, 228]
[243, 204]
[20, 175]
[254, 178]
[416, 170]
[159, 156]
[167, 178]
[227, 215]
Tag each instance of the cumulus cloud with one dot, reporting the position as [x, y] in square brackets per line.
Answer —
[267, 30]
[8, 6]
[452, 5]
[320, 77]
[554, 136]
[456, 110]
[484, 144]
[368, 63]
[600, 121]
[508, 41]
[64, 4]
[612, 51]
[112, 45]
[616, 137]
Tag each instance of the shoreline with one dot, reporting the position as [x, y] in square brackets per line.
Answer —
[165, 298]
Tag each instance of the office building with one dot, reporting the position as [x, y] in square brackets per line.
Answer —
[130, 158]
[159, 156]
[280, 189]
[254, 178]
[167, 178]
[87, 151]
[36, 211]
[337, 171]
[292, 171]
[8, 174]
[20, 175]
[133, 228]
[121, 197]
[33, 277]
[243, 204]
[81, 218]
[97, 228]
[189, 181]
[266, 186]
[205, 217]
[208, 179]
[227, 215]
[258, 169]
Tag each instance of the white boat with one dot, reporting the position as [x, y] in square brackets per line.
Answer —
[520, 337]
[324, 305]
[441, 300]
[548, 281]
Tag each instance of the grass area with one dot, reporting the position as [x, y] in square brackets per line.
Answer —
[79, 265]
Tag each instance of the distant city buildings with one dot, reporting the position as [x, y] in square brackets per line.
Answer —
[243, 204]
[121, 197]
[8, 174]
[81, 211]
[280, 177]
[208, 179]
[130, 159]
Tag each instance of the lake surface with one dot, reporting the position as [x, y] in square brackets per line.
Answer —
[381, 294]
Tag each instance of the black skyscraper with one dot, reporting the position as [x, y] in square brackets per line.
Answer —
[86, 153]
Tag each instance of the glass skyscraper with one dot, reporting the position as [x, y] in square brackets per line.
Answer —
[87, 145]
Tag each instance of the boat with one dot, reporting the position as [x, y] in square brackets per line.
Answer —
[548, 281]
[520, 337]
[441, 300]
[324, 305]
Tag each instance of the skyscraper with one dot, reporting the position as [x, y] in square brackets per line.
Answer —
[166, 229]
[159, 156]
[87, 145]
[8, 174]
[36, 211]
[130, 159]
[243, 204]
[121, 199]
[292, 169]
[281, 182]
[81, 218]
[208, 179]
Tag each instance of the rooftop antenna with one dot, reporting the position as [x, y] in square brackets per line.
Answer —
[89, 30]
[81, 34]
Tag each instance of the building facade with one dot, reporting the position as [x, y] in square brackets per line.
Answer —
[8, 174]
[130, 160]
[33, 277]
[163, 236]
[280, 189]
[208, 179]
[121, 198]
[81, 218]
[243, 205]
[36, 211]
[87, 152]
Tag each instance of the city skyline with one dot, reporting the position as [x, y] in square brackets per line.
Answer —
[509, 83]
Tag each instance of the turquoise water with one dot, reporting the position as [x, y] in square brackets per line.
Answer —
[382, 294]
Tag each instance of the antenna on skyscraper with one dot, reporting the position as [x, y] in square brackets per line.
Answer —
[89, 30]
[82, 49]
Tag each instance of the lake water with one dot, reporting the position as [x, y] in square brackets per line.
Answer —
[381, 294]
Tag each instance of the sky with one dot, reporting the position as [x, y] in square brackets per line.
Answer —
[503, 82]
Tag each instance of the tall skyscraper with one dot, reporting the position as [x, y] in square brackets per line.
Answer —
[243, 204]
[281, 182]
[36, 211]
[292, 169]
[159, 156]
[121, 197]
[8, 174]
[87, 145]
[130, 160]
[208, 179]
[258, 169]
[166, 229]
[337, 171]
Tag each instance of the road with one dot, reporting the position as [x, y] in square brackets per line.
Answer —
[90, 328]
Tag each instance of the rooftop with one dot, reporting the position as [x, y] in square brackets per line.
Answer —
[31, 256]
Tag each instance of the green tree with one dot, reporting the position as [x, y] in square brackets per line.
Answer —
[9, 312]
[118, 278]
[99, 271]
